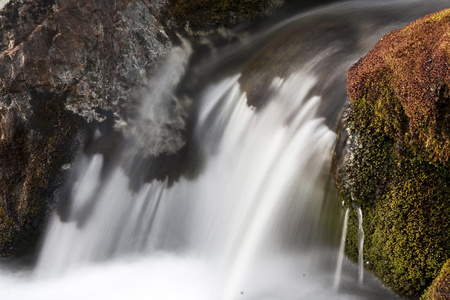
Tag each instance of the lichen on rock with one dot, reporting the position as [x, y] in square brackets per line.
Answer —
[395, 163]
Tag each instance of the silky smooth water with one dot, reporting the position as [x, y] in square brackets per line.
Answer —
[259, 220]
[360, 245]
[338, 273]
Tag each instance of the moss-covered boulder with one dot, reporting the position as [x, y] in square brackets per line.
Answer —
[440, 289]
[405, 81]
[395, 158]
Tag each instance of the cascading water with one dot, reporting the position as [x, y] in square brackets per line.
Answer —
[360, 245]
[255, 222]
[337, 276]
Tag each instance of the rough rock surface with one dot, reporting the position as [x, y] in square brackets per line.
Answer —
[395, 148]
[94, 49]
[63, 64]
[198, 15]
[407, 75]
[71, 68]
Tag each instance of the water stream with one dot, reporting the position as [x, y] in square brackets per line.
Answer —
[340, 260]
[360, 245]
[258, 221]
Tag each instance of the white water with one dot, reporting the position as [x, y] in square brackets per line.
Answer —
[338, 272]
[3, 3]
[360, 245]
[219, 231]
[240, 230]
[220, 236]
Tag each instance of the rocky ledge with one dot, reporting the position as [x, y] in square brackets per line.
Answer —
[196, 16]
[392, 159]
[71, 70]
[67, 68]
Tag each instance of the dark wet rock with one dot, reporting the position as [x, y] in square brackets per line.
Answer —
[94, 49]
[66, 68]
[72, 74]
[392, 159]
[202, 15]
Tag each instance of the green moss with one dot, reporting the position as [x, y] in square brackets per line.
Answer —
[397, 165]
[406, 80]
[405, 197]
[411, 232]
[440, 289]
[205, 14]
[405, 200]
[439, 15]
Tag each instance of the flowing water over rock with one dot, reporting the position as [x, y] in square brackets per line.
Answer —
[340, 260]
[259, 220]
[360, 245]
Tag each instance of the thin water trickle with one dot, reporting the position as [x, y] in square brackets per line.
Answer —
[338, 273]
[360, 245]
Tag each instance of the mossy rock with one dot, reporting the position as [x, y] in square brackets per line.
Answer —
[209, 14]
[395, 164]
[405, 80]
[440, 289]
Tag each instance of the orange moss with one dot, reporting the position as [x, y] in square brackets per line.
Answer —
[397, 165]
[414, 61]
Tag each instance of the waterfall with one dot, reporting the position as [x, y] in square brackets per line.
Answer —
[337, 275]
[360, 245]
[109, 218]
[255, 221]
[219, 218]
